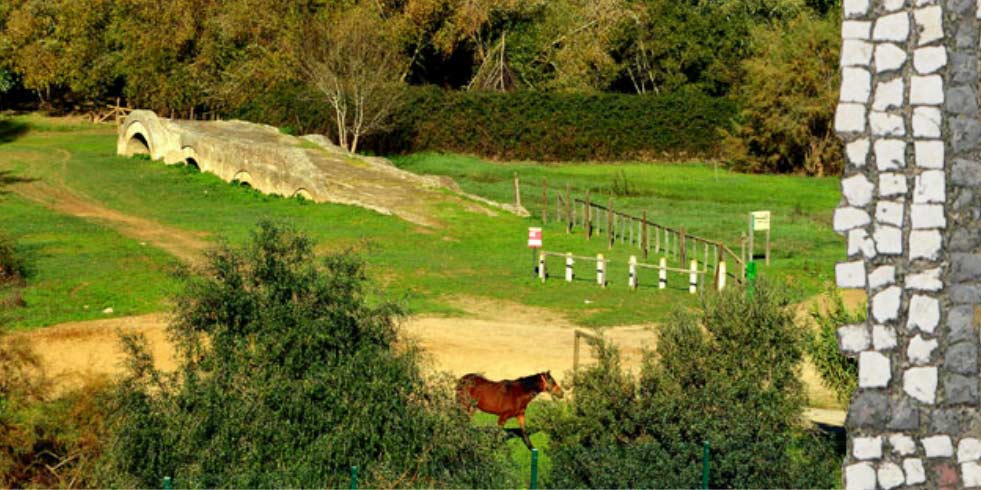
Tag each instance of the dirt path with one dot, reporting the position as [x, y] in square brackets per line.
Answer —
[497, 339]
[53, 193]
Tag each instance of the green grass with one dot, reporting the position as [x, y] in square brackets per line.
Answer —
[78, 268]
[472, 254]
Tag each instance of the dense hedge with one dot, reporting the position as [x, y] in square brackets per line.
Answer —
[525, 125]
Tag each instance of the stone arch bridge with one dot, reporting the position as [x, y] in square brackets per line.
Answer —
[309, 166]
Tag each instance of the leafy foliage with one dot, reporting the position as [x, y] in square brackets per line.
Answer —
[838, 372]
[288, 376]
[526, 125]
[727, 375]
[787, 100]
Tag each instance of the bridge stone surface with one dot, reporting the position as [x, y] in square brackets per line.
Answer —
[309, 166]
[911, 213]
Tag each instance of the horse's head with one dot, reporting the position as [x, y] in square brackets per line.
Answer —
[550, 385]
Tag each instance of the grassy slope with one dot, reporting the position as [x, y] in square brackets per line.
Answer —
[77, 268]
[472, 254]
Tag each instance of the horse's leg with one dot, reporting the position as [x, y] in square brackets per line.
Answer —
[524, 434]
[502, 419]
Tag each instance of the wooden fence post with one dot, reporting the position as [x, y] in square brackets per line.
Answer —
[600, 270]
[643, 235]
[517, 191]
[541, 267]
[587, 223]
[609, 220]
[570, 221]
[681, 247]
[662, 275]
[657, 239]
[544, 201]
[632, 280]
[693, 277]
[720, 274]
[569, 262]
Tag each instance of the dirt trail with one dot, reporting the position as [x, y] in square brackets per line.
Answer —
[55, 194]
[501, 340]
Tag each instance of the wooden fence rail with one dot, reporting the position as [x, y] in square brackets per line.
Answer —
[696, 276]
[620, 227]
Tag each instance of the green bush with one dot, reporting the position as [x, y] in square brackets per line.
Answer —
[787, 100]
[838, 372]
[288, 375]
[524, 125]
[11, 265]
[729, 375]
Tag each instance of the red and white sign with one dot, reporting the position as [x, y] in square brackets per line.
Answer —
[534, 238]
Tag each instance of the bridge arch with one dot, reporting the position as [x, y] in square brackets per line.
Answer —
[243, 178]
[301, 192]
[137, 144]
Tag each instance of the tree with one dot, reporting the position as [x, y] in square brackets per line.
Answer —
[289, 375]
[352, 60]
[788, 100]
[727, 374]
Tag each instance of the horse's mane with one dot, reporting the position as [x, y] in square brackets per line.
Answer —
[531, 382]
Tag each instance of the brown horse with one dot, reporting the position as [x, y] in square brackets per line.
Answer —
[507, 398]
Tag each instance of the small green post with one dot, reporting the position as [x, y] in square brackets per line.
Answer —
[705, 465]
[534, 468]
[750, 277]
[705, 460]
[354, 478]
[167, 483]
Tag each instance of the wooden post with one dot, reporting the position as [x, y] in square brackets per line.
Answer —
[693, 277]
[600, 270]
[587, 223]
[544, 201]
[541, 266]
[575, 354]
[632, 280]
[751, 236]
[682, 255]
[643, 235]
[657, 239]
[609, 219]
[630, 224]
[570, 220]
[569, 263]
[721, 275]
[517, 191]
[768, 244]
[705, 261]
[662, 275]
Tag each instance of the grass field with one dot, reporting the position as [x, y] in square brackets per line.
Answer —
[472, 254]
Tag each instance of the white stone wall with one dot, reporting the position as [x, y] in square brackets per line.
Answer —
[908, 115]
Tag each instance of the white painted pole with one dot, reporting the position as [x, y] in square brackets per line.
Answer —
[722, 275]
[600, 270]
[662, 275]
[568, 267]
[541, 266]
[632, 281]
[693, 277]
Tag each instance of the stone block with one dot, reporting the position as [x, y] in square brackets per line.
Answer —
[890, 475]
[924, 313]
[850, 275]
[893, 27]
[853, 338]
[888, 95]
[968, 449]
[960, 389]
[874, 370]
[891, 184]
[857, 190]
[930, 187]
[847, 218]
[858, 151]
[921, 383]
[883, 337]
[850, 118]
[855, 8]
[885, 304]
[925, 244]
[962, 358]
[856, 85]
[927, 122]
[860, 476]
[904, 415]
[882, 276]
[890, 212]
[926, 90]
[864, 448]
[886, 124]
[927, 280]
[920, 350]
[966, 172]
[856, 29]
[929, 153]
[925, 216]
[925, 60]
[902, 444]
[938, 446]
[929, 20]
[965, 267]
[888, 57]
[913, 467]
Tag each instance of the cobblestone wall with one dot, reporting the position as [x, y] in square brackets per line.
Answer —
[908, 115]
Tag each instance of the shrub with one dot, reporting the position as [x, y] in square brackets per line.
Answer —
[729, 375]
[838, 372]
[525, 125]
[287, 376]
[787, 100]
[11, 265]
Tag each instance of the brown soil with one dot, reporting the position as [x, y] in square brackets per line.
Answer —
[501, 340]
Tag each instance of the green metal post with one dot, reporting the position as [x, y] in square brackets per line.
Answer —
[167, 483]
[354, 478]
[534, 468]
[750, 277]
[705, 465]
